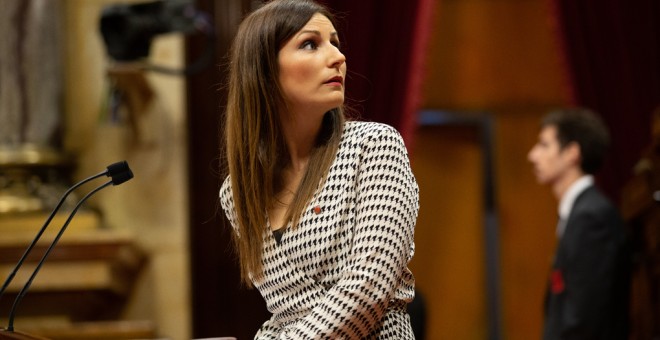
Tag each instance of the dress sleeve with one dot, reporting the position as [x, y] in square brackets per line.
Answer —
[386, 209]
[227, 202]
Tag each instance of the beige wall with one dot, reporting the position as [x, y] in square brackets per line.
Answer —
[153, 206]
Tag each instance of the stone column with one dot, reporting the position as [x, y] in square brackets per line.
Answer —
[31, 98]
[30, 72]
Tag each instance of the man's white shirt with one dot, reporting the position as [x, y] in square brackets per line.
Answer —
[567, 201]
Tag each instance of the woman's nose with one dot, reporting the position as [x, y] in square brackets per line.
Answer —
[337, 59]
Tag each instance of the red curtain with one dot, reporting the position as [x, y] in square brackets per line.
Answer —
[612, 52]
[384, 43]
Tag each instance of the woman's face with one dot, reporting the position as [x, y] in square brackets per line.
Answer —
[312, 69]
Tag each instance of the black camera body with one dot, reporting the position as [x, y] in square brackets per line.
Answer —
[128, 29]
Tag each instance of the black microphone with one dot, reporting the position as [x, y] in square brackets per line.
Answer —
[119, 171]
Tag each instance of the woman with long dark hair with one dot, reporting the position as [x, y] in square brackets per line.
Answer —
[323, 209]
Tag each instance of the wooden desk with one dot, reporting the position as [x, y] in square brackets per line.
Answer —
[88, 276]
[110, 330]
[5, 335]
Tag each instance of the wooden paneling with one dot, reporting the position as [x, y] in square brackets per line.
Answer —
[449, 260]
[88, 277]
[527, 213]
[486, 54]
[500, 57]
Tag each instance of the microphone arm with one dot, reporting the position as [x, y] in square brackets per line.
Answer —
[118, 169]
[23, 291]
[117, 178]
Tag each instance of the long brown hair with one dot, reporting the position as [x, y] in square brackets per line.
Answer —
[255, 146]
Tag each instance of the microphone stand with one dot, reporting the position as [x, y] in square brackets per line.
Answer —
[43, 228]
[23, 291]
[120, 172]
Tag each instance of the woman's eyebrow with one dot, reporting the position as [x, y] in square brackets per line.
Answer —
[316, 32]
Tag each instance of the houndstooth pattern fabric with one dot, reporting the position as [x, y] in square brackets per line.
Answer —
[342, 272]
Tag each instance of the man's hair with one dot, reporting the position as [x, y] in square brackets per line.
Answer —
[583, 127]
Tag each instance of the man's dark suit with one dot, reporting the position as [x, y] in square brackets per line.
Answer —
[587, 295]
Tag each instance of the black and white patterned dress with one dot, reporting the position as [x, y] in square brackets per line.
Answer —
[342, 272]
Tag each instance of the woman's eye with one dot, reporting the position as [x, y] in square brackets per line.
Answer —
[308, 45]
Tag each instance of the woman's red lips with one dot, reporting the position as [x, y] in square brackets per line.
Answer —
[336, 79]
